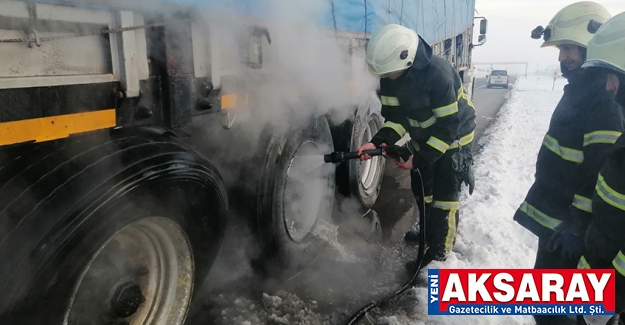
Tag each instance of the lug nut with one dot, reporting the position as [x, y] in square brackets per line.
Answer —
[126, 300]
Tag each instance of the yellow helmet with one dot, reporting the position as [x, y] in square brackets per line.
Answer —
[392, 48]
[573, 24]
[607, 47]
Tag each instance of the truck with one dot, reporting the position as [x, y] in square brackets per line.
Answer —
[133, 132]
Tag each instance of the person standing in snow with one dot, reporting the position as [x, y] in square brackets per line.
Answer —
[584, 126]
[422, 95]
[604, 240]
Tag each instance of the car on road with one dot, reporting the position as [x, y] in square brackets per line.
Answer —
[498, 78]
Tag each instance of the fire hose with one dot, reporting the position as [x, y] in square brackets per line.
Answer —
[393, 152]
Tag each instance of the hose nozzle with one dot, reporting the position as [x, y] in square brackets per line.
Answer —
[341, 156]
[395, 152]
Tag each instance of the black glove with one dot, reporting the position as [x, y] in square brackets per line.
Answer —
[462, 163]
[467, 175]
[570, 242]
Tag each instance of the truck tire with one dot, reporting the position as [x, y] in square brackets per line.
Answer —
[295, 194]
[365, 178]
[106, 229]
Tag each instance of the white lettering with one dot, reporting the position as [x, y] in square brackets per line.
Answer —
[476, 286]
[453, 289]
[598, 286]
[501, 285]
[433, 288]
[577, 288]
[527, 289]
[556, 288]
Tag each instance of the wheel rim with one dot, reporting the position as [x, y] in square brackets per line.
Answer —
[143, 274]
[368, 169]
[305, 190]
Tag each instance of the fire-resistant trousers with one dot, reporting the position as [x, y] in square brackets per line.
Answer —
[439, 188]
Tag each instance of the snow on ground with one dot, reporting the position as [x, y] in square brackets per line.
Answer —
[504, 171]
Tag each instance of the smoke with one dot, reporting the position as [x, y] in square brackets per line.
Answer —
[307, 71]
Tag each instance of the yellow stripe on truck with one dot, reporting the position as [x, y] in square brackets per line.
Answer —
[55, 127]
[228, 101]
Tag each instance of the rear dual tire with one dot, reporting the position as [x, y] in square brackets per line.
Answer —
[355, 179]
[365, 177]
[106, 229]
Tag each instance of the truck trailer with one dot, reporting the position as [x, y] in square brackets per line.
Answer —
[131, 130]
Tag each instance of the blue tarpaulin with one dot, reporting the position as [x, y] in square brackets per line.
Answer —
[434, 20]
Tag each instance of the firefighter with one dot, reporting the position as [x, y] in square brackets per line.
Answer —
[422, 96]
[584, 126]
[604, 240]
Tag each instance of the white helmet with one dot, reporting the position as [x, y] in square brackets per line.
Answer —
[607, 47]
[392, 48]
[575, 24]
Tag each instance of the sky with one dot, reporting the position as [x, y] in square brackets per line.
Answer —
[510, 23]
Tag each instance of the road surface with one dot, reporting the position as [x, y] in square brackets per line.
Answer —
[487, 103]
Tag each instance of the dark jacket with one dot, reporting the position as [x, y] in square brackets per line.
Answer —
[426, 101]
[584, 126]
[605, 237]
[606, 233]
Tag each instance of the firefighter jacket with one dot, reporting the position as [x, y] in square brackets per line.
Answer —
[428, 102]
[584, 126]
[605, 234]
[605, 240]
